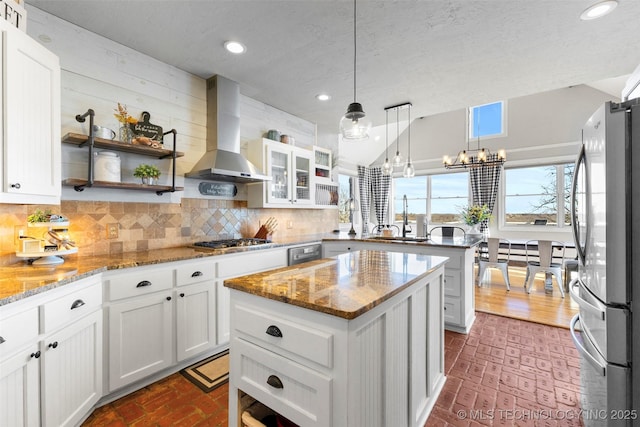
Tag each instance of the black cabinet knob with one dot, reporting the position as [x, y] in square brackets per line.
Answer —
[2, 339]
[36, 354]
[274, 382]
[53, 344]
[181, 294]
[168, 298]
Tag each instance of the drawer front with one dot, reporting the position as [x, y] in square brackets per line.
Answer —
[312, 344]
[17, 330]
[452, 283]
[293, 390]
[452, 311]
[71, 307]
[137, 283]
[195, 272]
[249, 263]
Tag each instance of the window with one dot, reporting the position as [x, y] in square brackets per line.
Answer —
[486, 120]
[533, 195]
[440, 196]
[345, 192]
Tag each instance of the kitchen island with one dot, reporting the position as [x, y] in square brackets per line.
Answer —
[459, 292]
[355, 340]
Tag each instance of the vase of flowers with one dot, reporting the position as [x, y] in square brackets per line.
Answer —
[473, 216]
[148, 173]
[125, 134]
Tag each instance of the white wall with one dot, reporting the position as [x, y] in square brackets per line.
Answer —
[98, 73]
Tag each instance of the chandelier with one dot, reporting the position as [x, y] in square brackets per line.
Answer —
[473, 158]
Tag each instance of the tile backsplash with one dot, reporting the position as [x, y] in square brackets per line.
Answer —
[144, 226]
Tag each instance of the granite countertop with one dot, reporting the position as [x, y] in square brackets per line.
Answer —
[346, 286]
[449, 242]
[21, 280]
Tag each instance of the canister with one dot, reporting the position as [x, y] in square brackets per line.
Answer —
[106, 166]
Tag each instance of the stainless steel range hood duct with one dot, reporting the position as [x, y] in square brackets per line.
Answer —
[223, 161]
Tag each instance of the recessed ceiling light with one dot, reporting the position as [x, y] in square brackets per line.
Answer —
[598, 10]
[323, 97]
[234, 47]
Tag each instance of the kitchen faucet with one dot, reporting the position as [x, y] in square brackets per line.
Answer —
[405, 219]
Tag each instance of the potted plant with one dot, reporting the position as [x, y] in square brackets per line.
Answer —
[148, 173]
[473, 215]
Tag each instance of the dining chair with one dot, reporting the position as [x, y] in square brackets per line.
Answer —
[544, 256]
[447, 231]
[494, 253]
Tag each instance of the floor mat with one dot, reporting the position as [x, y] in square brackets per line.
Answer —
[210, 373]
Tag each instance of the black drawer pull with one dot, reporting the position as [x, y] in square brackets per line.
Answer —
[2, 339]
[274, 382]
[77, 303]
[196, 274]
[143, 284]
[36, 354]
[53, 344]
[274, 331]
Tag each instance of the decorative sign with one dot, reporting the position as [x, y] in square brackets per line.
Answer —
[145, 129]
[217, 189]
[14, 14]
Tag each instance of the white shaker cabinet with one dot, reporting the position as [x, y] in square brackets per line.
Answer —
[30, 126]
[290, 169]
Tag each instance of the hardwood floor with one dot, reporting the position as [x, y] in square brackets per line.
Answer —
[538, 306]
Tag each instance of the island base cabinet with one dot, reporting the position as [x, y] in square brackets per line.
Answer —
[384, 367]
[72, 371]
[20, 389]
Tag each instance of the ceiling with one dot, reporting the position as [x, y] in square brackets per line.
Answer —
[440, 55]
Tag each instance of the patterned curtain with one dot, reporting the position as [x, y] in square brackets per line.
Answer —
[484, 186]
[364, 184]
[380, 185]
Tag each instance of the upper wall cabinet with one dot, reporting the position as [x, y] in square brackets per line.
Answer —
[290, 169]
[30, 160]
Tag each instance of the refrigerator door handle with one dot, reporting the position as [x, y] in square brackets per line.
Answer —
[586, 306]
[579, 167]
[599, 367]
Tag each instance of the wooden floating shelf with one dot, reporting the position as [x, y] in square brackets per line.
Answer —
[73, 182]
[79, 139]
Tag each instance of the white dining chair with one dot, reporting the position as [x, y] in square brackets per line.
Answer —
[494, 253]
[540, 258]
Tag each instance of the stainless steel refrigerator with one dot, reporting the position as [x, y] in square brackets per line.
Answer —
[605, 220]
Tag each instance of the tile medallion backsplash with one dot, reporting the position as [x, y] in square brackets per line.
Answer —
[145, 226]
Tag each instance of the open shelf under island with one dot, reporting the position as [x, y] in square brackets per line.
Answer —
[353, 340]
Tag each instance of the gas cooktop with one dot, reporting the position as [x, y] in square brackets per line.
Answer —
[230, 243]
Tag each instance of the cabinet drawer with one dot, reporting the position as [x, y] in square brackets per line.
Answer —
[452, 311]
[293, 390]
[195, 272]
[248, 263]
[71, 307]
[137, 283]
[312, 344]
[452, 283]
[17, 330]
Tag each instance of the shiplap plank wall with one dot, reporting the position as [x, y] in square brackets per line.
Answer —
[98, 73]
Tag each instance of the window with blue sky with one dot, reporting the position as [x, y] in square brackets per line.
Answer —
[486, 120]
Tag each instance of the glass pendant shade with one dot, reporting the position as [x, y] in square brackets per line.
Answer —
[354, 125]
[397, 159]
[408, 171]
[387, 168]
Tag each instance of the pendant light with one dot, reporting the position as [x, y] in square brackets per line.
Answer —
[397, 159]
[409, 171]
[354, 126]
[387, 168]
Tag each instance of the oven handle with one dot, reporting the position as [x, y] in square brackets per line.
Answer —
[586, 306]
[599, 367]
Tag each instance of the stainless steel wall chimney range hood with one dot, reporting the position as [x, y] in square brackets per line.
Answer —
[223, 161]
